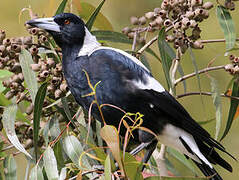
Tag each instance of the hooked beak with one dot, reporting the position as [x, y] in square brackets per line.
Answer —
[45, 23]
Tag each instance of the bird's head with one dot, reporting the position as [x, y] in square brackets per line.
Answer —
[66, 28]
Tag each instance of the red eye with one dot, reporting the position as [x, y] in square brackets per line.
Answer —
[66, 21]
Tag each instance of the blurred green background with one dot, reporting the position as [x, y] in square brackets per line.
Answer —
[118, 13]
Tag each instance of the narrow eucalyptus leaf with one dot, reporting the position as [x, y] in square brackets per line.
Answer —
[50, 164]
[227, 25]
[36, 173]
[233, 108]
[8, 120]
[92, 18]
[61, 7]
[25, 59]
[216, 96]
[40, 96]
[10, 168]
[166, 54]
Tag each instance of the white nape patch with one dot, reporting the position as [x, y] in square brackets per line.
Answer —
[89, 45]
[170, 137]
[134, 59]
[151, 83]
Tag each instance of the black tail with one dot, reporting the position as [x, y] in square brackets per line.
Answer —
[214, 158]
[208, 172]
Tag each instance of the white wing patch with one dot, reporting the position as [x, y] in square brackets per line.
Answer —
[170, 137]
[151, 83]
[89, 45]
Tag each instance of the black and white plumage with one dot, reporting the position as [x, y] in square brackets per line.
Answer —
[126, 83]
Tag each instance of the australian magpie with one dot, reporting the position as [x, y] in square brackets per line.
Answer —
[123, 81]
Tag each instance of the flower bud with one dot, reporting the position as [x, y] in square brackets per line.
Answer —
[50, 62]
[197, 45]
[149, 15]
[63, 87]
[29, 109]
[2, 35]
[207, 5]
[189, 14]
[134, 20]
[157, 10]
[142, 20]
[159, 21]
[126, 30]
[58, 93]
[44, 74]
[9, 94]
[36, 67]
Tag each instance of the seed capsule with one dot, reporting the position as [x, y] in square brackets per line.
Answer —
[167, 22]
[159, 20]
[63, 87]
[6, 42]
[9, 94]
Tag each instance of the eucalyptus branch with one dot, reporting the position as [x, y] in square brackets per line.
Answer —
[215, 40]
[151, 42]
[206, 94]
[199, 72]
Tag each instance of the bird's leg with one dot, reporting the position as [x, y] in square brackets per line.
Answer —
[149, 146]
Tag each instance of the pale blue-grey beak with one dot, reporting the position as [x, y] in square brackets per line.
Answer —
[45, 23]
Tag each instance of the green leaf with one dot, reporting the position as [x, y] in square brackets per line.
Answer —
[107, 168]
[216, 96]
[111, 36]
[8, 120]
[58, 151]
[145, 62]
[10, 168]
[233, 108]
[167, 55]
[74, 149]
[180, 157]
[111, 137]
[36, 173]
[227, 25]
[66, 108]
[132, 167]
[92, 18]
[96, 18]
[61, 7]
[40, 96]
[25, 59]
[50, 164]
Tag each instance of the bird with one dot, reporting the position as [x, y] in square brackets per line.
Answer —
[124, 82]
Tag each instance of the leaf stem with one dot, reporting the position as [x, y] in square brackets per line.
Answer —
[199, 72]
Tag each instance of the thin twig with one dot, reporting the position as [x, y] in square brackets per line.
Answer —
[199, 72]
[134, 41]
[215, 40]
[206, 94]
